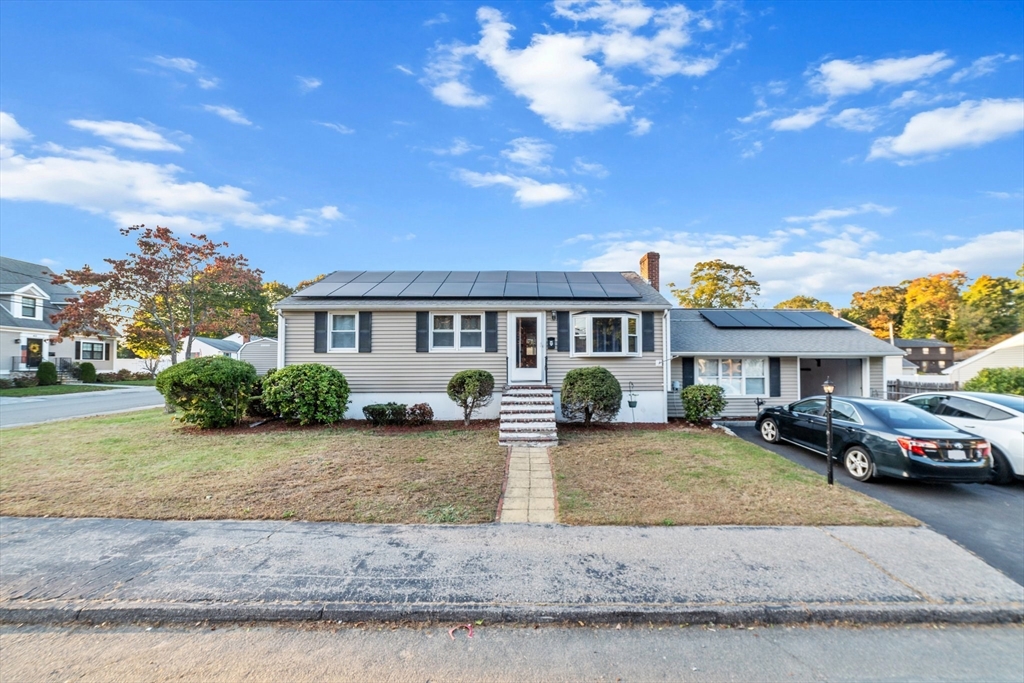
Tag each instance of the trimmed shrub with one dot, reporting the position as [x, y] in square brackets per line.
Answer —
[471, 390]
[590, 394]
[87, 372]
[106, 377]
[211, 392]
[419, 414]
[997, 381]
[311, 393]
[6, 383]
[701, 402]
[385, 414]
[46, 373]
[123, 375]
[26, 381]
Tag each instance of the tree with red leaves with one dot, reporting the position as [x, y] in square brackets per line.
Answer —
[179, 287]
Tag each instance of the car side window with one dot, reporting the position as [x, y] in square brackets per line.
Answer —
[845, 411]
[929, 403]
[814, 406]
[997, 414]
[954, 406]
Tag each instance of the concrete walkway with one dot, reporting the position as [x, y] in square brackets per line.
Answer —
[108, 570]
[529, 494]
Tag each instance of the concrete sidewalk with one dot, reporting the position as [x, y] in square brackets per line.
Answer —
[98, 570]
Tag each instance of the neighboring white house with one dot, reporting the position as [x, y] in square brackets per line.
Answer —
[1008, 353]
[261, 352]
[27, 336]
[207, 346]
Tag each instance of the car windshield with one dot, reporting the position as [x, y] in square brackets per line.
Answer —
[902, 416]
[1011, 402]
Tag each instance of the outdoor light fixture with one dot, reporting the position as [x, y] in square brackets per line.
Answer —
[829, 388]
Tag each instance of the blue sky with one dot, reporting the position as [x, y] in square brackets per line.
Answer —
[828, 147]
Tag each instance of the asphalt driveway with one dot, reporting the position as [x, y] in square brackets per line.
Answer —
[987, 520]
[16, 411]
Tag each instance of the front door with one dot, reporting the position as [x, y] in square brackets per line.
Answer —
[33, 353]
[525, 347]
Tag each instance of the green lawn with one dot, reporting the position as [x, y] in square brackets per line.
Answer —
[51, 390]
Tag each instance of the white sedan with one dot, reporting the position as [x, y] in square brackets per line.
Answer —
[999, 418]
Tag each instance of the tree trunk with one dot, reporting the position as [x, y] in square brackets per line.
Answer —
[587, 414]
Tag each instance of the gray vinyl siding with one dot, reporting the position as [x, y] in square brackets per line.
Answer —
[394, 365]
[643, 371]
[876, 377]
[262, 353]
[742, 406]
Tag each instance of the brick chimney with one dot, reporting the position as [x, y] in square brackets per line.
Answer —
[649, 268]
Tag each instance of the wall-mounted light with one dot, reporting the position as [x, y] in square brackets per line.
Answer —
[554, 315]
[17, 341]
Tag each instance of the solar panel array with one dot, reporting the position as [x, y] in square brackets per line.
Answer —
[779, 320]
[471, 284]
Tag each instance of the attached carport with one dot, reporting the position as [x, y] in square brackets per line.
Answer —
[847, 374]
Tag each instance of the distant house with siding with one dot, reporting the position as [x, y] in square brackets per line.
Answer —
[1008, 353]
[931, 356]
[208, 346]
[261, 352]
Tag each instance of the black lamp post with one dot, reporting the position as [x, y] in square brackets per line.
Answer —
[829, 388]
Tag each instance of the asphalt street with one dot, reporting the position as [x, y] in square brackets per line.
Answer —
[16, 411]
[987, 520]
[382, 652]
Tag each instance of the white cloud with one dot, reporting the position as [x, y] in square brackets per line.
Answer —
[641, 126]
[1005, 195]
[331, 213]
[832, 214]
[228, 114]
[308, 83]
[528, 192]
[582, 167]
[131, 192]
[801, 120]
[583, 237]
[125, 134]
[49, 262]
[532, 154]
[755, 148]
[10, 130]
[843, 77]
[208, 83]
[404, 69]
[183, 64]
[969, 124]
[408, 237]
[337, 127]
[566, 78]
[860, 120]
[832, 269]
[458, 147]
[441, 18]
[982, 67]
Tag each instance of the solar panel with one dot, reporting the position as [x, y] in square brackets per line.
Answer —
[342, 276]
[402, 276]
[584, 290]
[492, 276]
[421, 289]
[437, 276]
[454, 289]
[779, 320]
[462, 276]
[387, 289]
[319, 289]
[623, 291]
[489, 290]
[521, 289]
[830, 320]
[746, 318]
[373, 276]
[610, 278]
[354, 289]
[522, 276]
[551, 276]
[720, 319]
[554, 290]
[580, 277]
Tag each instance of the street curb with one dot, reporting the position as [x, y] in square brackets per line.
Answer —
[94, 612]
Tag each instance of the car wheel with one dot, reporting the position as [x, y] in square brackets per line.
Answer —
[859, 464]
[770, 431]
[1002, 473]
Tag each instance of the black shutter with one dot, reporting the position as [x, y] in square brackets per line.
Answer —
[365, 331]
[106, 351]
[774, 377]
[78, 350]
[647, 331]
[491, 331]
[422, 332]
[687, 371]
[563, 331]
[320, 332]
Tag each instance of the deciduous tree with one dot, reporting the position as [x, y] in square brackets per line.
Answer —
[717, 284]
[802, 301]
[880, 309]
[932, 302]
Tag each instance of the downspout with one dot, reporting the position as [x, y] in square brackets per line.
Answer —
[280, 339]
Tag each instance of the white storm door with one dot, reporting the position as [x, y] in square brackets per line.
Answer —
[525, 347]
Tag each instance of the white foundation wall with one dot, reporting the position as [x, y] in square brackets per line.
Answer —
[444, 408]
[651, 406]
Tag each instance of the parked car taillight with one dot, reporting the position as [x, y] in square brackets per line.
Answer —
[916, 446]
[983, 449]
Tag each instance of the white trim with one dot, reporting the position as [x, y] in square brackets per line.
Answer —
[330, 332]
[280, 341]
[457, 332]
[776, 354]
[865, 373]
[526, 375]
[33, 290]
[590, 353]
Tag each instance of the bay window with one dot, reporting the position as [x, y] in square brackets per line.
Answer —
[606, 334]
[456, 332]
[737, 376]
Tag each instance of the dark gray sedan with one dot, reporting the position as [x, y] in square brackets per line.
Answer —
[874, 438]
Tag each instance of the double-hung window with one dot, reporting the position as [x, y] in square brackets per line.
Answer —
[737, 376]
[456, 332]
[343, 331]
[597, 334]
[92, 351]
[28, 307]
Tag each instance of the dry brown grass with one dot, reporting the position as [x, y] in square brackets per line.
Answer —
[679, 476]
[144, 465]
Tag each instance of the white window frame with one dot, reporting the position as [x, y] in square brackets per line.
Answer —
[925, 350]
[457, 330]
[330, 332]
[35, 307]
[743, 373]
[589, 318]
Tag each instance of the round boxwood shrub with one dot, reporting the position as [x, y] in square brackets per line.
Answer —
[701, 402]
[47, 373]
[211, 392]
[310, 393]
[87, 372]
[590, 394]
[997, 381]
[471, 390]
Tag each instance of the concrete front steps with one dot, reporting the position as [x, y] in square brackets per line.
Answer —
[527, 416]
